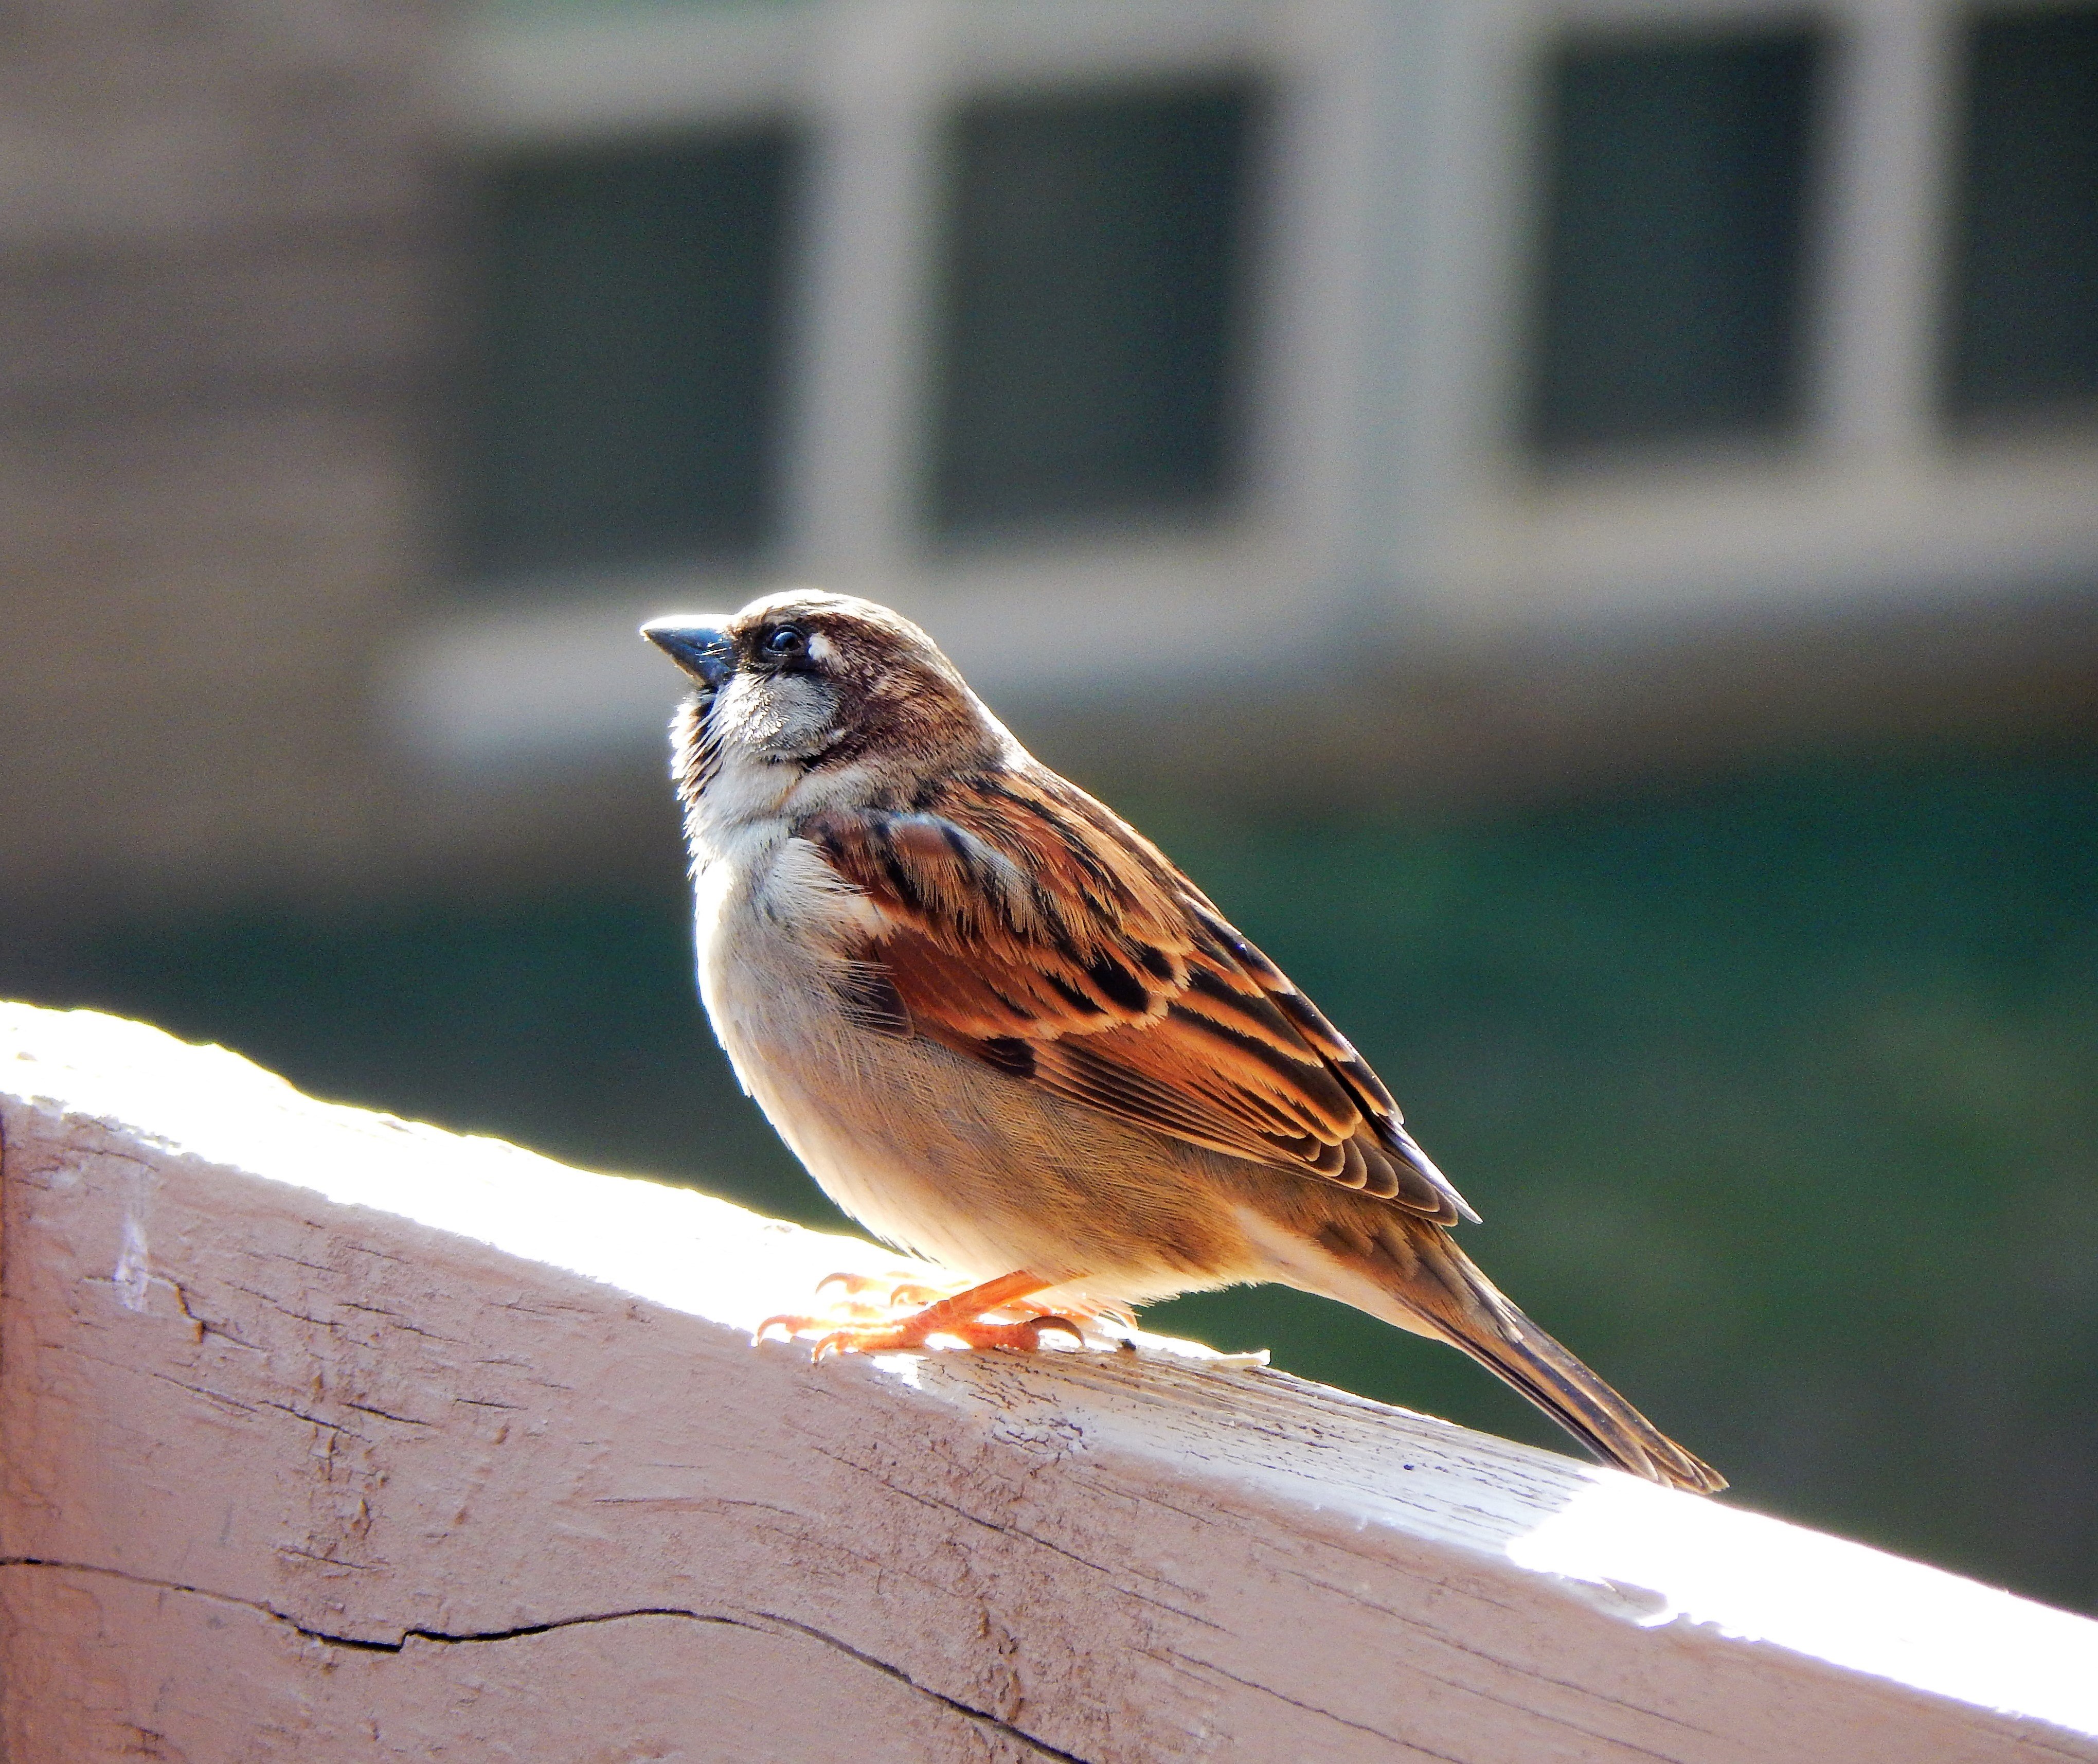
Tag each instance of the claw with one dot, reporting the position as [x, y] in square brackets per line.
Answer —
[1035, 1326]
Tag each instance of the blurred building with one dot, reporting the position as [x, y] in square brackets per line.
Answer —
[1463, 390]
[1333, 404]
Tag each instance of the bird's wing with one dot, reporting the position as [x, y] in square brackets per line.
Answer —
[1022, 924]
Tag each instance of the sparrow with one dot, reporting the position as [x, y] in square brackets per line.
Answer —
[1003, 1031]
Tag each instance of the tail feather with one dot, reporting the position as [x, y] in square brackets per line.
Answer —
[1528, 1359]
[1431, 1286]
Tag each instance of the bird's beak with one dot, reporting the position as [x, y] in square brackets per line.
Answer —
[696, 642]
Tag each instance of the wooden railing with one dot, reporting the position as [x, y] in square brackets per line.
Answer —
[330, 1437]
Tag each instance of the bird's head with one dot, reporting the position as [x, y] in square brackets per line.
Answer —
[808, 680]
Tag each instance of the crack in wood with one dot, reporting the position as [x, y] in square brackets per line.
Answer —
[1168, 1561]
[387, 1415]
[767, 1623]
[311, 1420]
[983, 1717]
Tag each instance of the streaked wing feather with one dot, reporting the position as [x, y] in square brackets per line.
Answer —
[1027, 927]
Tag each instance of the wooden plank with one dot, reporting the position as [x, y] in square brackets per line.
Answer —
[328, 1436]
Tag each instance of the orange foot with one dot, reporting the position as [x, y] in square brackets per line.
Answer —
[858, 1306]
[968, 1317]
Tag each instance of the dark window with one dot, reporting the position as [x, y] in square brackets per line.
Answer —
[625, 391]
[1672, 256]
[2025, 314]
[1094, 269]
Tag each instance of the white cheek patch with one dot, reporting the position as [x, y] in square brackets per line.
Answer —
[803, 708]
[733, 704]
[822, 648]
[780, 717]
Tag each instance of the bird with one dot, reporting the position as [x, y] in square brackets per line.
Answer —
[1004, 1032]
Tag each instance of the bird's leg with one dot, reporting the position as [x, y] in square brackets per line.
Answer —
[966, 1317]
[882, 1301]
[1082, 1310]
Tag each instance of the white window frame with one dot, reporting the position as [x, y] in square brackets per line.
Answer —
[870, 84]
[1874, 496]
[1389, 497]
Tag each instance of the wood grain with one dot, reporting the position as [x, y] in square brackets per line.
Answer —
[328, 1436]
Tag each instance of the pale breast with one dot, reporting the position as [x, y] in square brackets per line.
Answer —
[772, 921]
[930, 1150]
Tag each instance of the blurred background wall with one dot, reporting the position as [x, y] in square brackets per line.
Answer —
[1577, 520]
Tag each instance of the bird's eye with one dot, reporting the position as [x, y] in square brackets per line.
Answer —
[788, 640]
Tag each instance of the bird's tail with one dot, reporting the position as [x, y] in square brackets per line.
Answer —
[1421, 1271]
